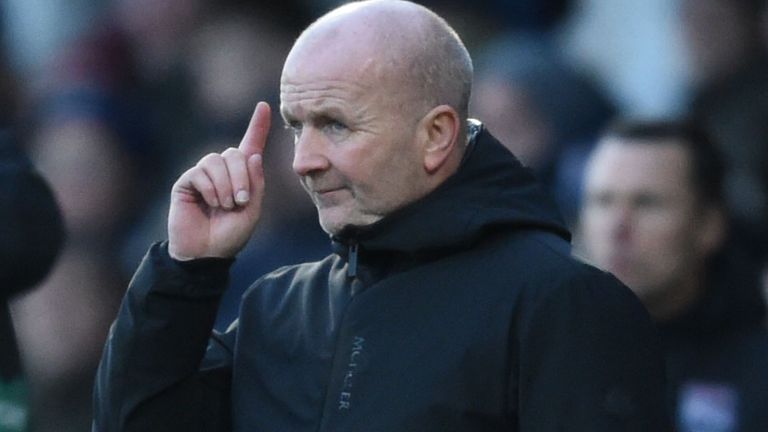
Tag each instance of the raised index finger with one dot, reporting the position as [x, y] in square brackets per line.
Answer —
[255, 137]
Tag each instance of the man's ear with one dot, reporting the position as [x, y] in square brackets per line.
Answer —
[440, 133]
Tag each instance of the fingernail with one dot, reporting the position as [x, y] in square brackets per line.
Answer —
[242, 197]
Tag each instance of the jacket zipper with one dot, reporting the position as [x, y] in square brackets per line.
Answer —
[352, 261]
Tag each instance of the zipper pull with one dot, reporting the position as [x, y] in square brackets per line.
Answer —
[352, 261]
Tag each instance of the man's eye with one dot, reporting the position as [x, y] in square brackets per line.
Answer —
[649, 201]
[600, 199]
[336, 126]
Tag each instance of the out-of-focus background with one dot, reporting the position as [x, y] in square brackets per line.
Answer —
[113, 99]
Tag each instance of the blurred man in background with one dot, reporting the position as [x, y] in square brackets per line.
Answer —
[654, 216]
[31, 235]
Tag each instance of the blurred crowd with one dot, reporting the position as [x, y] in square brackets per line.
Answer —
[113, 99]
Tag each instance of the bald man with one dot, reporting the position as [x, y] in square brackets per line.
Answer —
[450, 302]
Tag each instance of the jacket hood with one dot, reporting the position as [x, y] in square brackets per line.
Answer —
[490, 190]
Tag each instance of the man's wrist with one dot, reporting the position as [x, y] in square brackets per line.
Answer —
[197, 265]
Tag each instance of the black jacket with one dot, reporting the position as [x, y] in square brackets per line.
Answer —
[461, 312]
[717, 352]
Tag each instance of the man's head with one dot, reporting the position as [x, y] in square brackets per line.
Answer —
[652, 212]
[376, 93]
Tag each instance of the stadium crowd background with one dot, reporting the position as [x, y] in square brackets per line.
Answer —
[113, 99]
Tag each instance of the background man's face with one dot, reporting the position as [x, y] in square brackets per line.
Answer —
[639, 219]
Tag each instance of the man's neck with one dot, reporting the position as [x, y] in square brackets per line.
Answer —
[672, 302]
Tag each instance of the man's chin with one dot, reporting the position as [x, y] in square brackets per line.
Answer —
[335, 227]
[344, 227]
[341, 230]
[627, 278]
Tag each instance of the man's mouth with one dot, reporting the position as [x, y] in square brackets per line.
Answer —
[328, 196]
[325, 192]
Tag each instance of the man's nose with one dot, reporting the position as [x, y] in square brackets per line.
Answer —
[621, 223]
[309, 153]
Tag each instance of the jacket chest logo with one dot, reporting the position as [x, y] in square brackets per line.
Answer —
[345, 396]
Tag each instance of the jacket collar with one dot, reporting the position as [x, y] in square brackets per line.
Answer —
[491, 189]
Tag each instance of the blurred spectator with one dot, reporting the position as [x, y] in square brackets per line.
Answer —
[234, 58]
[158, 34]
[31, 237]
[542, 109]
[63, 324]
[635, 49]
[36, 30]
[32, 234]
[730, 78]
[157, 30]
[654, 216]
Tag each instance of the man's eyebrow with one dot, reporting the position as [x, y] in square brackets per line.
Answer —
[325, 116]
[319, 113]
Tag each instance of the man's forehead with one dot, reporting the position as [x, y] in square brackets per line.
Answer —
[657, 153]
[331, 63]
[345, 67]
[324, 84]
[629, 164]
[306, 101]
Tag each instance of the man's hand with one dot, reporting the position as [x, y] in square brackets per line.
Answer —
[216, 204]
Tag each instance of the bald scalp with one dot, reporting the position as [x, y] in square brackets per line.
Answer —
[415, 50]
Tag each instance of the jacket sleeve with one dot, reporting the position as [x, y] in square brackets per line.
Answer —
[590, 361]
[161, 369]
